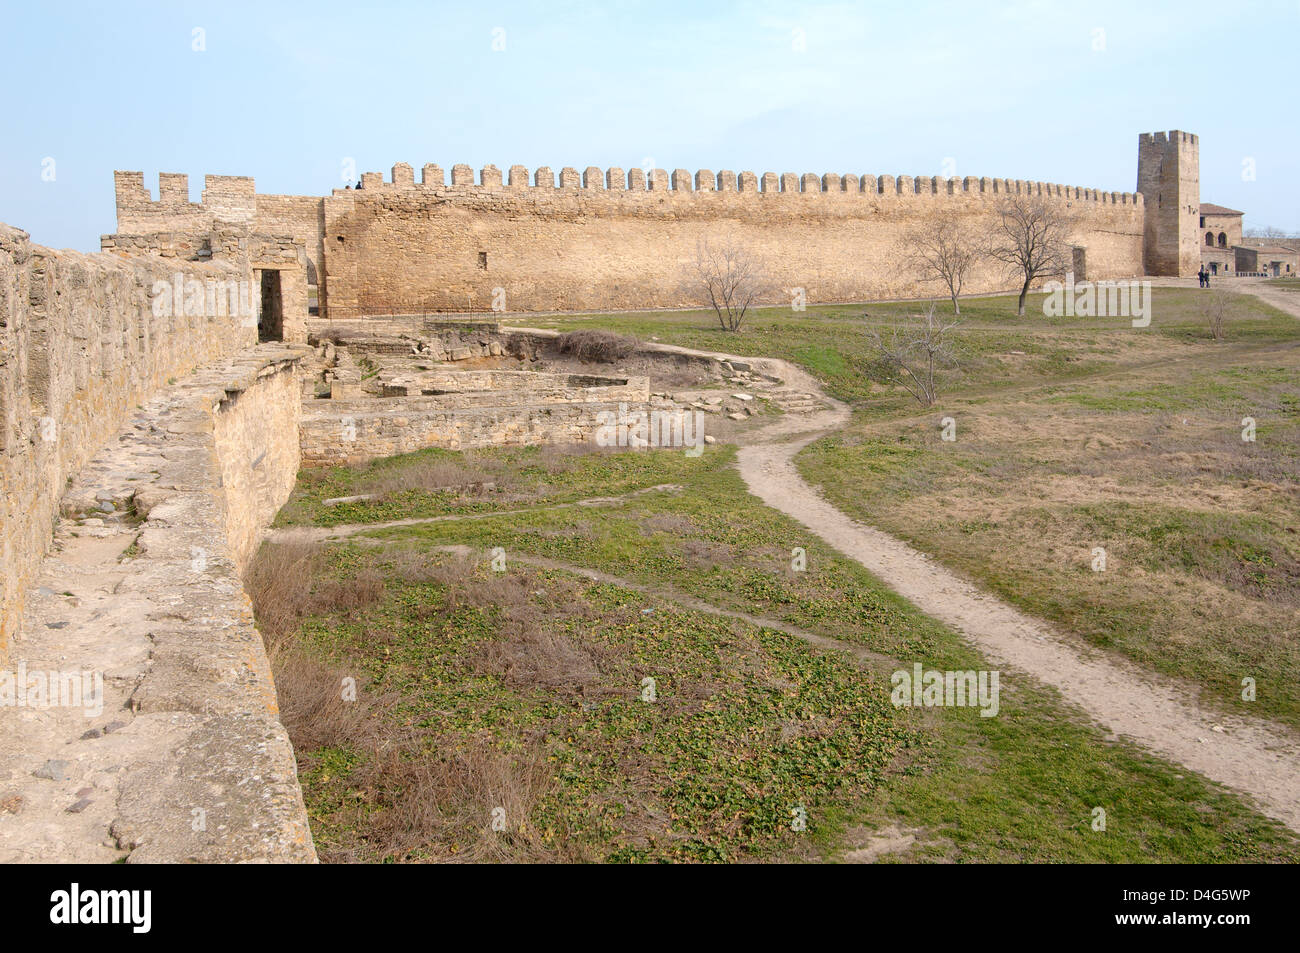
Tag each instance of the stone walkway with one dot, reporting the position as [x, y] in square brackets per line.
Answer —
[181, 758]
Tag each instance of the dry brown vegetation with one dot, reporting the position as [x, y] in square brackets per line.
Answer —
[433, 476]
[597, 347]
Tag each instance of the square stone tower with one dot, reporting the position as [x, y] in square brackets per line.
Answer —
[1169, 178]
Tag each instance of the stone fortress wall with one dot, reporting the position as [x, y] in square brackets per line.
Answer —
[189, 435]
[615, 239]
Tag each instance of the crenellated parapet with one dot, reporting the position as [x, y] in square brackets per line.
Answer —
[704, 181]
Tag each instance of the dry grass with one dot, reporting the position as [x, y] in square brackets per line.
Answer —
[410, 799]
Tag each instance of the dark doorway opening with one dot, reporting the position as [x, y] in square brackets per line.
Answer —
[270, 319]
[1080, 263]
[313, 289]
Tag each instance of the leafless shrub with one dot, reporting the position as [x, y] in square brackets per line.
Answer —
[1215, 306]
[442, 804]
[598, 347]
[538, 657]
[730, 279]
[946, 250]
[285, 587]
[279, 583]
[350, 593]
[909, 354]
[313, 708]
[1031, 237]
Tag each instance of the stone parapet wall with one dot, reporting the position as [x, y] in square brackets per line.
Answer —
[80, 347]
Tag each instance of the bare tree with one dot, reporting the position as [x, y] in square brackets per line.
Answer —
[946, 250]
[1031, 237]
[1268, 231]
[910, 353]
[730, 278]
[1215, 308]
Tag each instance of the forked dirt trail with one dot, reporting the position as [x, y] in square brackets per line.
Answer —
[1257, 758]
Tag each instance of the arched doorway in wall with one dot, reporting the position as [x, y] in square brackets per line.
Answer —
[1223, 239]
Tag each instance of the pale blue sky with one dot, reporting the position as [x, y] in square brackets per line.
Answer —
[286, 92]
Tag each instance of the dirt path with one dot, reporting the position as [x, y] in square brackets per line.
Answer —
[1257, 758]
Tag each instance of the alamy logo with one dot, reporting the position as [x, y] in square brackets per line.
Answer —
[72, 906]
[37, 689]
[658, 428]
[935, 689]
[211, 297]
[1100, 299]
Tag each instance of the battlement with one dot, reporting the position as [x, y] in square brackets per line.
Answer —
[616, 180]
[1174, 136]
[225, 199]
